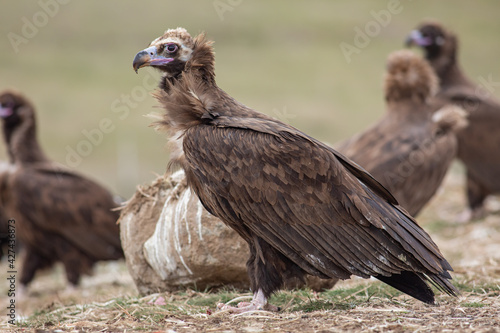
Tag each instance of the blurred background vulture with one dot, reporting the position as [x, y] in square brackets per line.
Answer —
[409, 150]
[60, 215]
[478, 143]
[302, 207]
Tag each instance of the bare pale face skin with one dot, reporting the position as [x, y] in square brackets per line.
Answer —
[168, 53]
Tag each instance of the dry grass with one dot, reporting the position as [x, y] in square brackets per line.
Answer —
[108, 301]
[364, 305]
[359, 309]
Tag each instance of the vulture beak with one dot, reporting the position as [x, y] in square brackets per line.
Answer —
[5, 112]
[416, 38]
[149, 57]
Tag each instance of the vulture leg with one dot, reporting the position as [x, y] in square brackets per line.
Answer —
[75, 264]
[476, 194]
[73, 276]
[33, 262]
[267, 270]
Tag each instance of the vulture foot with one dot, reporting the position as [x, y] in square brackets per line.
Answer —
[247, 307]
[258, 303]
[469, 215]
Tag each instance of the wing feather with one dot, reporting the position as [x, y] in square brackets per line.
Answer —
[58, 201]
[315, 206]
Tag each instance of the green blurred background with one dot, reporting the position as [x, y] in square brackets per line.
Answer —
[279, 57]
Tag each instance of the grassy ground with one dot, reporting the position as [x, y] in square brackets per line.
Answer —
[280, 57]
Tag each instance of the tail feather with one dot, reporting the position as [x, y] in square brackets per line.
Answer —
[410, 283]
[443, 284]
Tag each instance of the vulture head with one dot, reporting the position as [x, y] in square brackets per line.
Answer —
[408, 76]
[168, 53]
[15, 109]
[435, 40]
[19, 127]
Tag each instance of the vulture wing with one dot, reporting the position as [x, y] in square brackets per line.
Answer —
[61, 202]
[319, 209]
[481, 139]
[381, 147]
[408, 158]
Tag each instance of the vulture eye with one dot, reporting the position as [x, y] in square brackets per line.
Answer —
[171, 48]
[439, 40]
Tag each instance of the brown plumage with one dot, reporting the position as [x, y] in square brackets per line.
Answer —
[302, 207]
[409, 150]
[478, 143]
[60, 216]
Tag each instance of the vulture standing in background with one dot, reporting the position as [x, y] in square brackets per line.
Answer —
[478, 143]
[60, 215]
[409, 150]
[302, 207]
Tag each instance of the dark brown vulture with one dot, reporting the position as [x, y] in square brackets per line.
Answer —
[60, 215]
[409, 150]
[302, 207]
[478, 143]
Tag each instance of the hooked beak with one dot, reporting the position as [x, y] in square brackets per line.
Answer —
[149, 57]
[416, 38]
[5, 112]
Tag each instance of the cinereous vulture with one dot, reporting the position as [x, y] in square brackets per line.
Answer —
[478, 143]
[302, 207]
[411, 147]
[60, 215]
